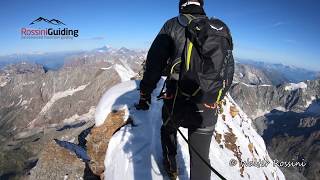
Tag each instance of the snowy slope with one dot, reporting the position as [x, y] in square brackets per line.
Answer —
[293, 86]
[123, 70]
[135, 152]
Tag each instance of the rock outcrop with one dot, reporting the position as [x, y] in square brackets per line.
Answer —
[288, 118]
[99, 137]
[37, 106]
[56, 162]
[257, 100]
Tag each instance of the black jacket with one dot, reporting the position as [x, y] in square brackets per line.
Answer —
[167, 47]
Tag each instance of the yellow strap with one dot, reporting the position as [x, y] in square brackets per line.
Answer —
[189, 43]
[220, 95]
[190, 46]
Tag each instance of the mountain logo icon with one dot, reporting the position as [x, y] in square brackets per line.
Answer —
[52, 21]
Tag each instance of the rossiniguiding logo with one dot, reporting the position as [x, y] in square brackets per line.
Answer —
[48, 33]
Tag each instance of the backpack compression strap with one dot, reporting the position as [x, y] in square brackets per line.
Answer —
[189, 44]
[188, 49]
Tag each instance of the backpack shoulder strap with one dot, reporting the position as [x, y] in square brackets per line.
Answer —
[185, 19]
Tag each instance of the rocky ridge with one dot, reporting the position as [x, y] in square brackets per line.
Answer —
[288, 118]
[38, 106]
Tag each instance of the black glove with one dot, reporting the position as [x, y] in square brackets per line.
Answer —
[144, 102]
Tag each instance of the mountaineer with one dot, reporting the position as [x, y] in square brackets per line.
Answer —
[195, 53]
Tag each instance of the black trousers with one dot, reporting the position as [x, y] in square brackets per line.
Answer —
[200, 122]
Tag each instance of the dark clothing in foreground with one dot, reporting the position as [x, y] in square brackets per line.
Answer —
[199, 120]
[167, 47]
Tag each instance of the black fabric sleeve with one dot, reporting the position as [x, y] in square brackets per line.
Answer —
[158, 55]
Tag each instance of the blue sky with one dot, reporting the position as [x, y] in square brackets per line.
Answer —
[281, 31]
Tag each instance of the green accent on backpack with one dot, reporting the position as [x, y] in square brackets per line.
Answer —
[190, 46]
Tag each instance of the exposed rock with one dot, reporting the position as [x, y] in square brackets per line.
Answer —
[56, 162]
[22, 68]
[218, 137]
[98, 140]
[288, 141]
[19, 155]
[106, 57]
[230, 143]
[288, 118]
[258, 100]
[250, 75]
[37, 106]
[234, 111]
[38, 100]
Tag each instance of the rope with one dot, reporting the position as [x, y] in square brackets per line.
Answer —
[186, 140]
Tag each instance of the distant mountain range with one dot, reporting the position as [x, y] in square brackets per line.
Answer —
[52, 60]
[56, 60]
[248, 71]
[280, 73]
[52, 21]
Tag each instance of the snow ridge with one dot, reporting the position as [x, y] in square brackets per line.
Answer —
[135, 152]
[293, 86]
[60, 95]
[124, 72]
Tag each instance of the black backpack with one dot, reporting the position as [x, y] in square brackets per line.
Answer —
[205, 70]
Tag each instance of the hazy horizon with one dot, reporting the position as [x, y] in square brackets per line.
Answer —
[74, 52]
[273, 31]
